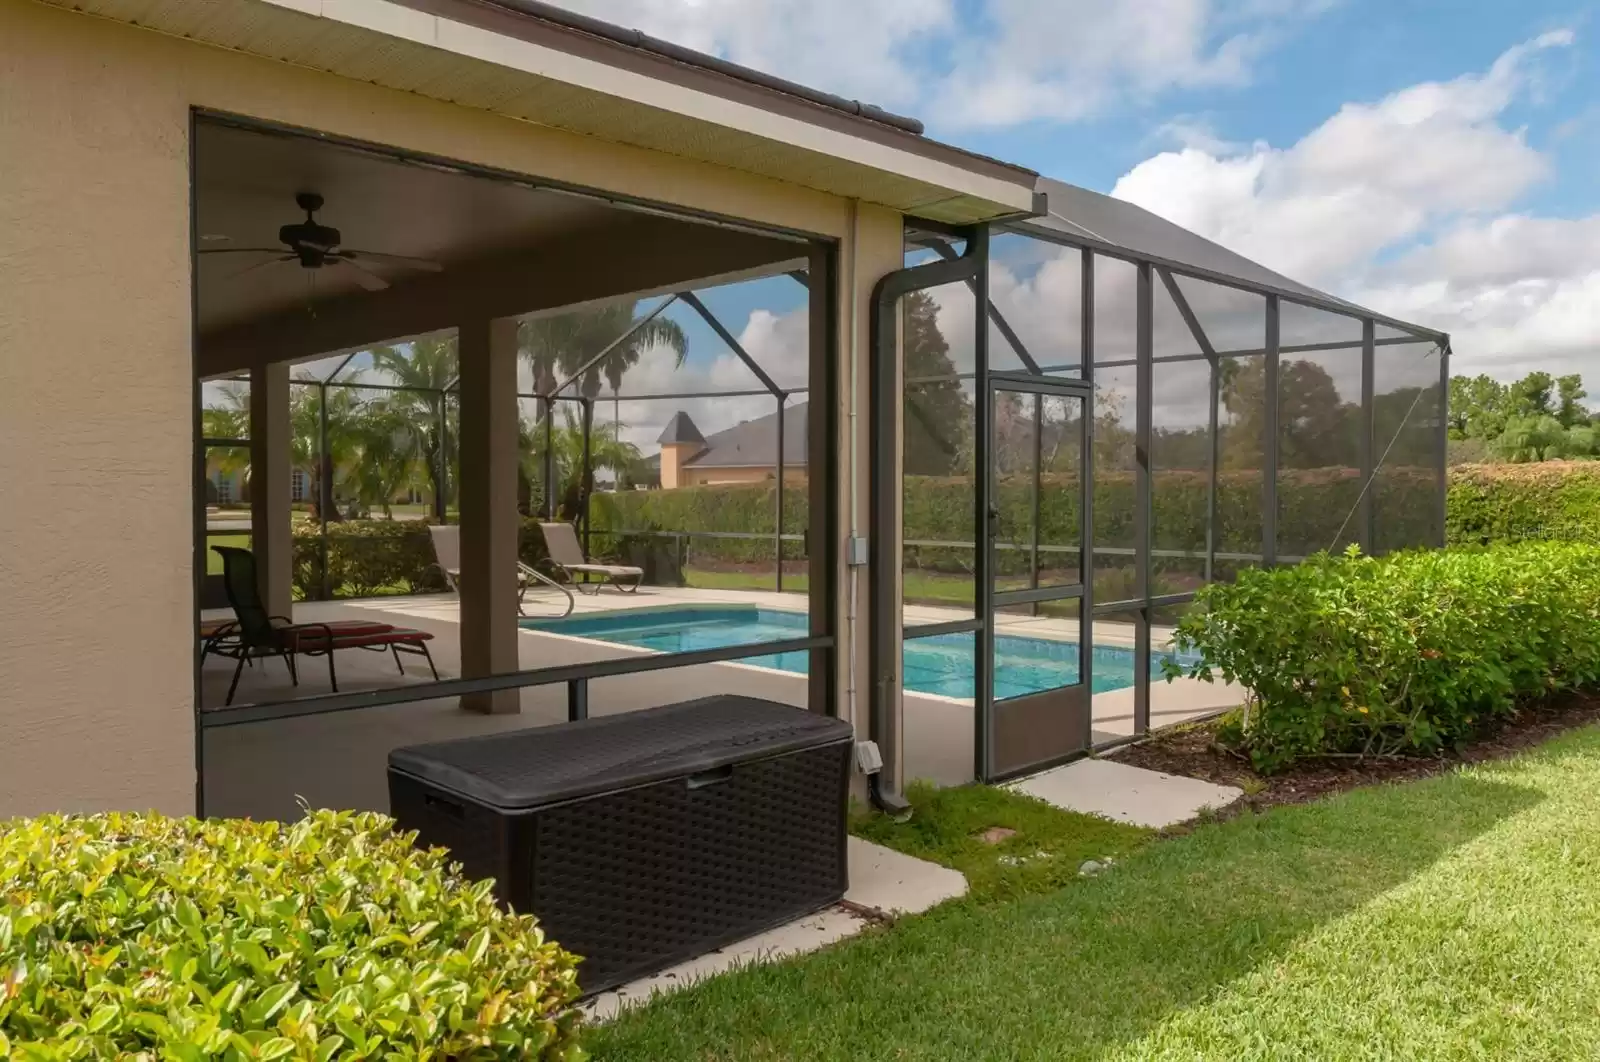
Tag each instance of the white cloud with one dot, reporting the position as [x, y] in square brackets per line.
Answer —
[1009, 61]
[843, 46]
[1403, 205]
[1068, 59]
[778, 342]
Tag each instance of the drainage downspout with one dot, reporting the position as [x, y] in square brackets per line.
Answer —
[883, 425]
[883, 496]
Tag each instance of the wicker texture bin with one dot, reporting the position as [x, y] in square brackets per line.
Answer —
[643, 839]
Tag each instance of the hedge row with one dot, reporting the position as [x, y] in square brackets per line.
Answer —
[1487, 503]
[1408, 653]
[1529, 502]
[369, 558]
[1312, 507]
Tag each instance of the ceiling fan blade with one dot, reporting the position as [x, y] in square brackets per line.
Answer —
[427, 265]
[240, 250]
[258, 265]
[362, 275]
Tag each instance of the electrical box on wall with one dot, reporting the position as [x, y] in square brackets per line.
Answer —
[855, 554]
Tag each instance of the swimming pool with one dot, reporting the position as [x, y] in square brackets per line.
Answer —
[941, 664]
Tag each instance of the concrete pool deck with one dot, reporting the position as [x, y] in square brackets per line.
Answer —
[263, 769]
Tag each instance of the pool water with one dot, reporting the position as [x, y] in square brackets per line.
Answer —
[941, 664]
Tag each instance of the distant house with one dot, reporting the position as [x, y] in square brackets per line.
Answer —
[744, 453]
[231, 486]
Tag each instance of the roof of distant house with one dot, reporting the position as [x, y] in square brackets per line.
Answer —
[750, 444]
[680, 429]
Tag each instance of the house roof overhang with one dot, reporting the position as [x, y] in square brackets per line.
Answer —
[514, 59]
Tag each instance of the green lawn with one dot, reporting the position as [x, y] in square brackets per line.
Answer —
[920, 587]
[213, 558]
[1453, 918]
[1044, 851]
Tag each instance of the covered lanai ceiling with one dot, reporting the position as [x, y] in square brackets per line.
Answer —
[501, 247]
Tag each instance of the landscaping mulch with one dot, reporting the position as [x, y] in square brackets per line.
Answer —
[1192, 751]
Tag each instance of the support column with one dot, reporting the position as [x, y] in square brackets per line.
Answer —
[488, 500]
[270, 487]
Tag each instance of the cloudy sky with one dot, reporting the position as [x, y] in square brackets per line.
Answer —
[1436, 159]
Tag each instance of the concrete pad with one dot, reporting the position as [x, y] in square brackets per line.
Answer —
[893, 883]
[882, 882]
[1125, 793]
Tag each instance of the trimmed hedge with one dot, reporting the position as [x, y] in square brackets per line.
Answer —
[1516, 503]
[140, 936]
[1486, 503]
[1406, 653]
[368, 558]
[1312, 505]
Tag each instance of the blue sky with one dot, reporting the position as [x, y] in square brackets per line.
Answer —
[1354, 51]
[1436, 160]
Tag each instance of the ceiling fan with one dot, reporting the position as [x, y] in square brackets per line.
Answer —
[316, 246]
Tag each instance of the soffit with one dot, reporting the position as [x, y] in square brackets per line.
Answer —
[456, 61]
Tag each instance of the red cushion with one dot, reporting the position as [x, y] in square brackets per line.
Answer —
[312, 638]
[340, 628]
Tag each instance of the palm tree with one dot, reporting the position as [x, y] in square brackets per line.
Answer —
[427, 370]
[332, 471]
[557, 347]
[229, 420]
[606, 450]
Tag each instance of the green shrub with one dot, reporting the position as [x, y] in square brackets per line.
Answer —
[1516, 503]
[367, 557]
[1406, 653]
[141, 936]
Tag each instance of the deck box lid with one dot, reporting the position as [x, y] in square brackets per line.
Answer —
[546, 764]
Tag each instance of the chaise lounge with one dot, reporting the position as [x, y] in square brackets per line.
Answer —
[447, 553]
[561, 542]
[257, 635]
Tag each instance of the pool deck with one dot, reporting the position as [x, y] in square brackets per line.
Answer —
[266, 769]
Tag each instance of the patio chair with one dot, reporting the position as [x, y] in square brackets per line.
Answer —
[256, 634]
[447, 553]
[561, 542]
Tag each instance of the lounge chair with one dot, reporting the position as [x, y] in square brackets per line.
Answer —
[255, 634]
[561, 541]
[447, 552]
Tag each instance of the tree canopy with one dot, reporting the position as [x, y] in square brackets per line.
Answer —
[1537, 418]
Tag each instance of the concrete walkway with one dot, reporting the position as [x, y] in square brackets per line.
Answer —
[883, 884]
[1125, 793]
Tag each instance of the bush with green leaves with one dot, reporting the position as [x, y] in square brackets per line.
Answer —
[1515, 503]
[140, 936]
[370, 558]
[1409, 653]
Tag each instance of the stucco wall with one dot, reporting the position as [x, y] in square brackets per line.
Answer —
[96, 399]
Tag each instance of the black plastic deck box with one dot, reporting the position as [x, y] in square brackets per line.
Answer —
[646, 838]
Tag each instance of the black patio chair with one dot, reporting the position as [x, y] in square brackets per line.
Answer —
[256, 634]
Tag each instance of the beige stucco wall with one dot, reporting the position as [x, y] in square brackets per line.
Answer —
[96, 399]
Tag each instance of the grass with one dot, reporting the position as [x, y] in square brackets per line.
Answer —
[1452, 918]
[1045, 851]
[920, 588]
[213, 558]
[714, 579]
